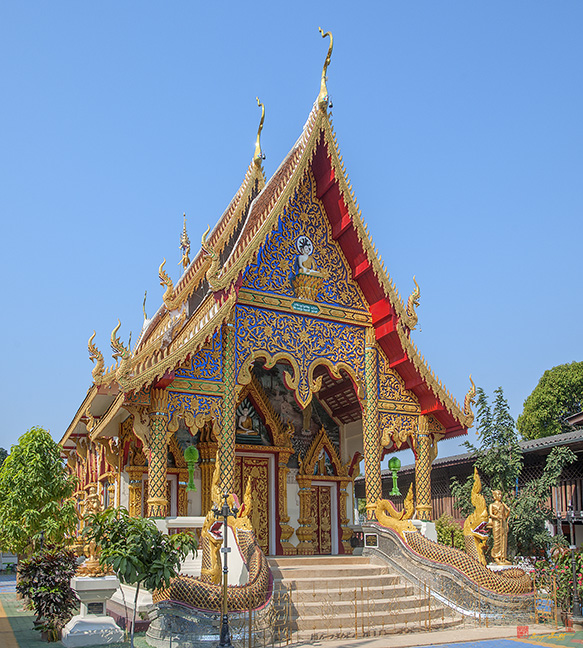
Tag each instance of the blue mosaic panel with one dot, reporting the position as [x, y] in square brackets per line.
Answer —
[207, 364]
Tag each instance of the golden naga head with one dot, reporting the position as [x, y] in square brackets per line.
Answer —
[468, 402]
[96, 356]
[323, 99]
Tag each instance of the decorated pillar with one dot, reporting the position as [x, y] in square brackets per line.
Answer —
[423, 469]
[157, 489]
[135, 492]
[182, 494]
[286, 531]
[370, 432]
[345, 529]
[227, 440]
[305, 530]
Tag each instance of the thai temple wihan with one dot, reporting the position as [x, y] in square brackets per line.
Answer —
[283, 353]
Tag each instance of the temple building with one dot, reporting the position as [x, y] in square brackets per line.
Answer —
[285, 352]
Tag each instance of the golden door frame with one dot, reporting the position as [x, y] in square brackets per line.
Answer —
[307, 477]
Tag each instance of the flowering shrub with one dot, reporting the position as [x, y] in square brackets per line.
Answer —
[561, 569]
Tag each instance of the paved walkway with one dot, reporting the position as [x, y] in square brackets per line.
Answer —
[7, 582]
[16, 631]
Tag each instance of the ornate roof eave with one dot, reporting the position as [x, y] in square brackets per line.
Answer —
[196, 272]
[147, 368]
[108, 417]
[224, 228]
[465, 416]
[91, 394]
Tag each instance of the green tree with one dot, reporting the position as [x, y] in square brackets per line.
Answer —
[35, 492]
[529, 509]
[3, 455]
[499, 456]
[137, 551]
[558, 394]
[499, 462]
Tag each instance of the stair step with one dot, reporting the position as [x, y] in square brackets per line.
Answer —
[308, 561]
[331, 584]
[345, 595]
[393, 628]
[330, 571]
[416, 617]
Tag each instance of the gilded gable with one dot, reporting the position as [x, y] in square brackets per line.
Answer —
[301, 259]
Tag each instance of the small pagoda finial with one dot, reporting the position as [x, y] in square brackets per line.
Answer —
[259, 156]
[144, 305]
[323, 99]
[184, 246]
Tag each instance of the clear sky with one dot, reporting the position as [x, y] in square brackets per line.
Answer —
[461, 128]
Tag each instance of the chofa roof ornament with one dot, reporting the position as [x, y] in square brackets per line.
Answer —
[259, 155]
[323, 99]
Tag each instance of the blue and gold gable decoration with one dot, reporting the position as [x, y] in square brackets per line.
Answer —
[301, 260]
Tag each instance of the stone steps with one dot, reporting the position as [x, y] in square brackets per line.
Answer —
[341, 596]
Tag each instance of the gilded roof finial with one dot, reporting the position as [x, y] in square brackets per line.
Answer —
[144, 305]
[96, 356]
[185, 246]
[468, 401]
[259, 156]
[323, 99]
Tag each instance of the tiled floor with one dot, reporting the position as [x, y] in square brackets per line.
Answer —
[7, 582]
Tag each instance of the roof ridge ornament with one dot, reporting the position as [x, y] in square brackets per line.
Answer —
[212, 274]
[96, 356]
[468, 402]
[184, 246]
[412, 305]
[323, 98]
[259, 156]
[169, 298]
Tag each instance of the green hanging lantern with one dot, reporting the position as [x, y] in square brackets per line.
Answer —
[394, 465]
[191, 457]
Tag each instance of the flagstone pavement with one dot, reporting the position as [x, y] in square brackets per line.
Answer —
[16, 631]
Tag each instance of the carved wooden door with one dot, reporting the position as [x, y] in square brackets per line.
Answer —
[257, 469]
[322, 519]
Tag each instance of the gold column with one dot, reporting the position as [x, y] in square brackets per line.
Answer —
[135, 494]
[286, 531]
[305, 531]
[182, 494]
[207, 468]
[344, 520]
[423, 470]
[227, 440]
[157, 488]
[370, 431]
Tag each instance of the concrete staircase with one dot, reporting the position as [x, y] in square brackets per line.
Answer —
[346, 596]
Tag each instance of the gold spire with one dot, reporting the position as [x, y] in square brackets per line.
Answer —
[185, 246]
[258, 157]
[323, 96]
[144, 305]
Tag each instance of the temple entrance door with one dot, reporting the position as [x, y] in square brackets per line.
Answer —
[256, 468]
[322, 519]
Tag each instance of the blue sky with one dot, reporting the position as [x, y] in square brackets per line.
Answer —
[460, 125]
